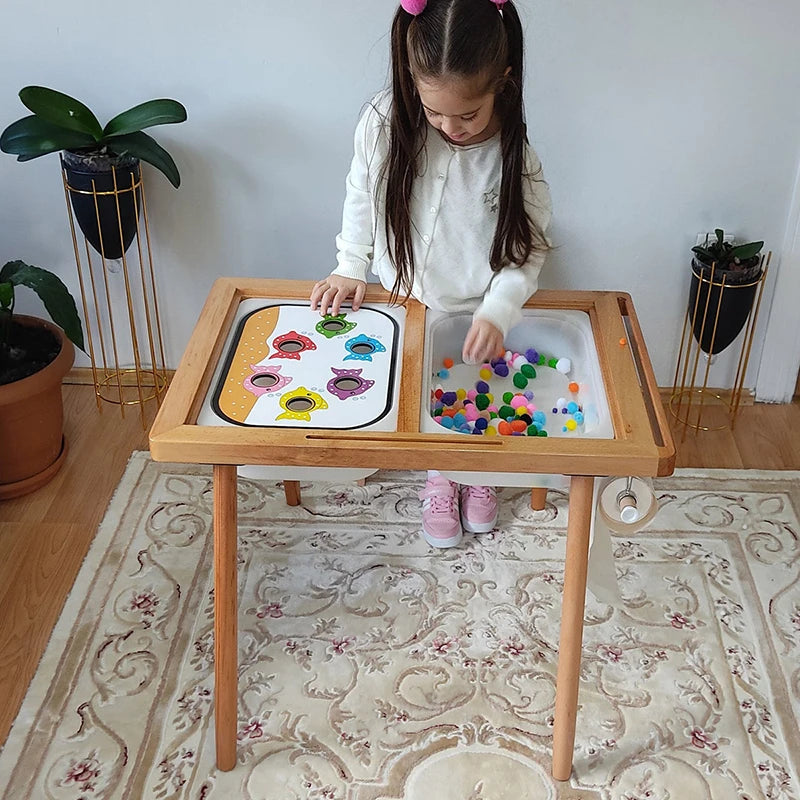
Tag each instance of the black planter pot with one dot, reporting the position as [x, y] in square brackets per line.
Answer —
[92, 178]
[734, 304]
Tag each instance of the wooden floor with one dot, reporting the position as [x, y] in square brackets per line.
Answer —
[44, 536]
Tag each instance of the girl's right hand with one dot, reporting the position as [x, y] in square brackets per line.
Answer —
[329, 294]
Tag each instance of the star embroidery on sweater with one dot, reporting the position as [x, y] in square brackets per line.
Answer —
[490, 199]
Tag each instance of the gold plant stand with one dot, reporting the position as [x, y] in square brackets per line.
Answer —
[688, 400]
[120, 305]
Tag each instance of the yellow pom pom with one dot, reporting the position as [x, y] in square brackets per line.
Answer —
[521, 410]
[461, 393]
[571, 424]
[490, 431]
[485, 374]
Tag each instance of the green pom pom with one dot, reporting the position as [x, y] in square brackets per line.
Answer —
[507, 397]
[482, 402]
[520, 381]
[528, 371]
[507, 411]
[533, 430]
[542, 361]
[492, 415]
[552, 362]
[542, 433]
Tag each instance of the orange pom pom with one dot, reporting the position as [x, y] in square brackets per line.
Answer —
[573, 387]
[448, 363]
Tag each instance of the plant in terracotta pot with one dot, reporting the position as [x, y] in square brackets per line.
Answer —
[34, 357]
[101, 163]
[726, 275]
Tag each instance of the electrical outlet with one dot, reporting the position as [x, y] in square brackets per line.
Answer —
[710, 237]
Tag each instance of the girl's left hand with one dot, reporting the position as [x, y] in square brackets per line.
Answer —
[484, 341]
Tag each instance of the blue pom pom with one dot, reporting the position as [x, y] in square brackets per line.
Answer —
[481, 387]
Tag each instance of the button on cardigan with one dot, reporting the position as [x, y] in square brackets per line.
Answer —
[454, 207]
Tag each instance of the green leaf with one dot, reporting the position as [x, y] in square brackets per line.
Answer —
[720, 236]
[745, 251]
[6, 295]
[62, 110]
[145, 115]
[142, 146]
[33, 137]
[52, 292]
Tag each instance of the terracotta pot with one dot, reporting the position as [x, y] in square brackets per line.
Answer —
[31, 415]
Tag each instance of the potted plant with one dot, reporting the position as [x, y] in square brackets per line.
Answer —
[726, 275]
[101, 164]
[34, 357]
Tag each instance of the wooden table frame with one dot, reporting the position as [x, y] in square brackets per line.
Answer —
[642, 445]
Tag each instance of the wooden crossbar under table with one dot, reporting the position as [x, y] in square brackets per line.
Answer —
[642, 445]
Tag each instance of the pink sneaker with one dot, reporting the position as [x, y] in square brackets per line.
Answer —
[478, 508]
[440, 523]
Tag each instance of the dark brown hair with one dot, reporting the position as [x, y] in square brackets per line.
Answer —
[457, 39]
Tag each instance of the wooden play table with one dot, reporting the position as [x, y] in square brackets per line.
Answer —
[641, 445]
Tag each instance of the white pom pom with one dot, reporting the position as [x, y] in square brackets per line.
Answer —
[564, 365]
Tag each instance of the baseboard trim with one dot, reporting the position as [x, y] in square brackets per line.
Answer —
[84, 376]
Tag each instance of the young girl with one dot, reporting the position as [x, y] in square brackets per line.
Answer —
[445, 199]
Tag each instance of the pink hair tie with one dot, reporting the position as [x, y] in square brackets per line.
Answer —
[416, 7]
[499, 4]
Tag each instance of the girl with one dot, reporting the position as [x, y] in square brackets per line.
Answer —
[445, 199]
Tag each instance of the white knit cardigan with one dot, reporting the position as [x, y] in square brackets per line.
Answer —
[454, 207]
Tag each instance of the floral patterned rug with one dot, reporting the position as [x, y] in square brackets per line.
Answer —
[373, 667]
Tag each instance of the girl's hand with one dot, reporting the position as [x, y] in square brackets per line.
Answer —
[329, 294]
[484, 341]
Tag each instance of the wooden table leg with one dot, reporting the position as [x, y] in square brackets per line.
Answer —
[226, 655]
[538, 498]
[292, 491]
[571, 637]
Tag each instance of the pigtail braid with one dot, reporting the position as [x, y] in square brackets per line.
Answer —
[513, 240]
[401, 165]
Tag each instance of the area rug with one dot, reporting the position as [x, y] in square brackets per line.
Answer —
[373, 667]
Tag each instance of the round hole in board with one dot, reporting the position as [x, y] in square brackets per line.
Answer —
[264, 379]
[362, 348]
[333, 325]
[300, 404]
[291, 346]
[346, 384]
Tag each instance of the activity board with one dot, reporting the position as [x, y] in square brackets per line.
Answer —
[285, 365]
[546, 382]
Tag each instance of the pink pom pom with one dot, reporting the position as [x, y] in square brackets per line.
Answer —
[417, 6]
[499, 3]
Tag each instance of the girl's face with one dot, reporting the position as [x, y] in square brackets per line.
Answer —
[462, 110]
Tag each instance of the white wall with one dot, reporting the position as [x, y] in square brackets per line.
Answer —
[653, 120]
